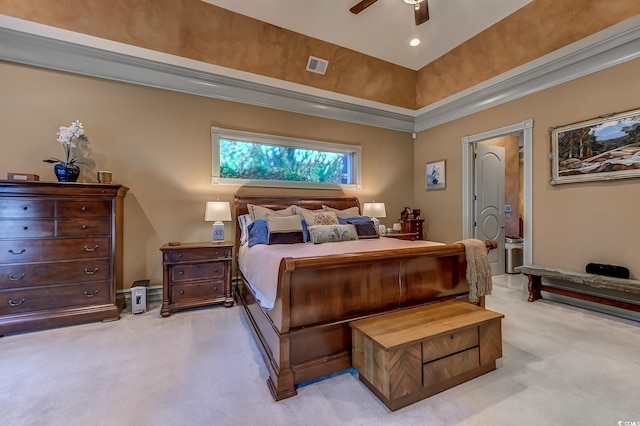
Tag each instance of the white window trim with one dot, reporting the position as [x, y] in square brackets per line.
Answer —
[217, 133]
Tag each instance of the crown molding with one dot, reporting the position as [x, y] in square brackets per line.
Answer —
[48, 47]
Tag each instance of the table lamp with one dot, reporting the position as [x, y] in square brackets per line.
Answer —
[374, 211]
[217, 211]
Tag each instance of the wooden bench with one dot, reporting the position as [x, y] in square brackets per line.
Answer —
[408, 355]
[621, 285]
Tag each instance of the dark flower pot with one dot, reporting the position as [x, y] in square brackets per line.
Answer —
[66, 172]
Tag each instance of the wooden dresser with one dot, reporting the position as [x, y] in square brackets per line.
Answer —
[411, 354]
[196, 274]
[413, 226]
[60, 254]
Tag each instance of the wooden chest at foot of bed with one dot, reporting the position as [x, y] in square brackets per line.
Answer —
[406, 356]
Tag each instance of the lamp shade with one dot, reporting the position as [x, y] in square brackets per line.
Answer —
[217, 211]
[374, 210]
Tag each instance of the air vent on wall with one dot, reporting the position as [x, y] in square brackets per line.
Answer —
[317, 65]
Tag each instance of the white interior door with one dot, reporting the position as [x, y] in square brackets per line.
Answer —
[489, 201]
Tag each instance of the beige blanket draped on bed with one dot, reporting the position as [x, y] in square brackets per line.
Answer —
[478, 269]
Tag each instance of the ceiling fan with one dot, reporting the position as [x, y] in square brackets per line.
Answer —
[421, 9]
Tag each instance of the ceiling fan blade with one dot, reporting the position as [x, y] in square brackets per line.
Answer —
[362, 6]
[422, 13]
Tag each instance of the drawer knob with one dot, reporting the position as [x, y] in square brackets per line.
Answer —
[91, 294]
[180, 272]
[16, 253]
[12, 303]
[25, 208]
[84, 208]
[12, 278]
[84, 226]
[451, 336]
[86, 271]
[94, 248]
[215, 269]
[181, 292]
[25, 228]
[215, 287]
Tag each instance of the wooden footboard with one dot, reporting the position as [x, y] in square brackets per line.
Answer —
[307, 334]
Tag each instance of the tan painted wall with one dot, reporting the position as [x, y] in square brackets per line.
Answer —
[198, 30]
[573, 224]
[158, 144]
[537, 29]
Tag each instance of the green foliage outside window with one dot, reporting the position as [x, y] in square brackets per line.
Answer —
[246, 160]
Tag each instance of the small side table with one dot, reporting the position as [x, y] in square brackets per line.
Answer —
[196, 274]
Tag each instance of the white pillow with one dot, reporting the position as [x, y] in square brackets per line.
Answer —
[350, 212]
[259, 212]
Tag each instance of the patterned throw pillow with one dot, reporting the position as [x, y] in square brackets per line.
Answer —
[332, 233]
[244, 221]
[324, 218]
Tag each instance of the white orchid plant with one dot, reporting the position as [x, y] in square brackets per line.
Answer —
[67, 137]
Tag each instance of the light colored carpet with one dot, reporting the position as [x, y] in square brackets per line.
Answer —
[561, 366]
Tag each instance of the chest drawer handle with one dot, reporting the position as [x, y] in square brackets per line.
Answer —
[215, 269]
[17, 253]
[94, 248]
[451, 336]
[181, 292]
[215, 288]
[86, 271]
[12, 278]
[180, 272]
[25, 228]
[84, 226]
[12, 303]
[25, 208]
[91, 294]
[84, 208]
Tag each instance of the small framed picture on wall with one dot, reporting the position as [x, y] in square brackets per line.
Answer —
[436, 175]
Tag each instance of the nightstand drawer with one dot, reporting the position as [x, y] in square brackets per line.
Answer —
[196, 271]
[455, 341]
[184, 292]
[200, 254]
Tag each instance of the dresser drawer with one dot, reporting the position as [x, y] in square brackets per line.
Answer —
[26, 208]
[20, 251]
[207, 253]
[77, 209]
[80, 227]
[26, 228]
[42, 274]
[186, 292]
[197, 271]
[450, 343]
[36, 299]
[451, 366]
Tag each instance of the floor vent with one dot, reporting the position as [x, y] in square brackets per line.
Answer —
[317, 65]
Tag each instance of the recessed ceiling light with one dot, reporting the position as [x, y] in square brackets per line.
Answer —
[414, 42]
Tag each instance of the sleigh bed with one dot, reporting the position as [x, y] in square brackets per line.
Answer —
[304, 333]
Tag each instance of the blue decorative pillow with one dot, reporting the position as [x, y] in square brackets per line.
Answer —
[354, 219]
[258, 232]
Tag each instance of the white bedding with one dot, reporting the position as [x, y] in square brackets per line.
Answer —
[259, 264]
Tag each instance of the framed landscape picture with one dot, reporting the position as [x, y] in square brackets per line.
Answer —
[436, 175]
[599, 149]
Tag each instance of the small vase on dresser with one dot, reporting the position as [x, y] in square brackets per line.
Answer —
[66, 172]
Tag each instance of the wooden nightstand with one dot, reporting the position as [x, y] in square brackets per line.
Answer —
[196, 274]
[413, 225]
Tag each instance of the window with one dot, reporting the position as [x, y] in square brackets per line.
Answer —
[244, 158]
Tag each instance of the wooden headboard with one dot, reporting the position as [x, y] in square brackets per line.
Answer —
[282, 202]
